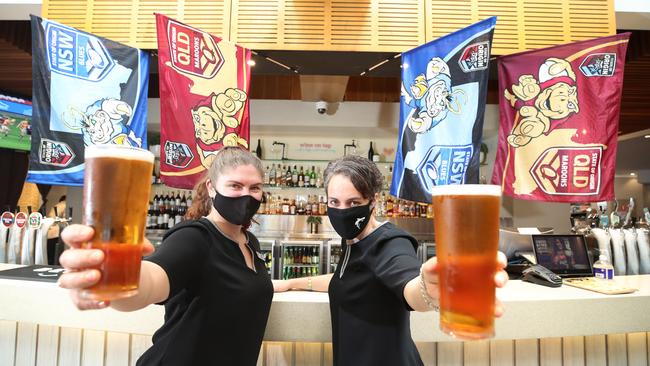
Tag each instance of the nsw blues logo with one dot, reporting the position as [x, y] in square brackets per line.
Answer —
[443, 165]
[76, 54]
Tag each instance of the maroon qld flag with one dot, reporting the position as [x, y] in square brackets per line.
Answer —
[204, 83]
[559, 110]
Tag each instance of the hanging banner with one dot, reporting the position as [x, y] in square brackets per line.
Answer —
[87, 90]
[204, 83]
[444, 86]
[559, 111]
[15, 123]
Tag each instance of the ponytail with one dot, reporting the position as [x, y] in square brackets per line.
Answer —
[202, 203]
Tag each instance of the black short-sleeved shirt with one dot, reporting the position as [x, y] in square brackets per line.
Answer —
[217, 308]
[370, 317]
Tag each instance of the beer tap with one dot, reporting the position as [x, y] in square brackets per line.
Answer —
[628, 216]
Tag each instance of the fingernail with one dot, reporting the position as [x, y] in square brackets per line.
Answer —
[97, 255]
[90, 275]
[101, 304]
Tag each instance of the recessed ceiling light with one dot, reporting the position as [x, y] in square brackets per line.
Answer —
[251, 62]
[647, 136]
[633, 174]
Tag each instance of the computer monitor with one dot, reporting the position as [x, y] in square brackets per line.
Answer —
[565, 255]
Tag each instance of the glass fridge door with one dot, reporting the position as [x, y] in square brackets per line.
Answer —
[266, 248]
[334, 255]
[300, 258]
[429, 251]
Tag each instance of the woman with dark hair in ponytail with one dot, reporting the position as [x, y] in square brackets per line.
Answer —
[208, 272]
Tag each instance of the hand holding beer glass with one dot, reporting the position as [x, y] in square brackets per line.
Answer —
[466, 220]
[117, 182]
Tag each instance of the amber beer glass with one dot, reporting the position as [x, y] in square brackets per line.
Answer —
[117, 182]
[466, 221]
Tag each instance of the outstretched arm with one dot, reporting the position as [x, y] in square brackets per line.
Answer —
[318, 283]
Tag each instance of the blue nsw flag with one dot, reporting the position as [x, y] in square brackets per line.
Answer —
[88, 90]
[444, 86]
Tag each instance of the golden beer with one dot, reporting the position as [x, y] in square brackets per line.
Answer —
[117, 182]
[466, 220]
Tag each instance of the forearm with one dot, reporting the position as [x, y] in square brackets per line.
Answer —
[414, 297]
[153, 288]
[318, 283]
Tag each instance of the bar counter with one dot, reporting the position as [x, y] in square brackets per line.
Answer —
[39, 325]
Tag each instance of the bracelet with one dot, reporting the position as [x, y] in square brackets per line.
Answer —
[425, 295]
[309, 288]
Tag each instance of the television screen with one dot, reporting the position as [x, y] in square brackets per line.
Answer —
[15, 123]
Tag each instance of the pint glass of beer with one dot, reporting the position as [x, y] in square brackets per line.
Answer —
[466, 221]
[117, 182]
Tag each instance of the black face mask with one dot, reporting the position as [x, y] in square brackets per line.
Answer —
[349, 222]
[236, 210]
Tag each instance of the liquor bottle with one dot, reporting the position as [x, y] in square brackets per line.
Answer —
[312, 177]
[296, 274]
[371, 152]
[272, 175]
[294, 176]
[287, 177]
[297, 256]
[314, 206]
[262, 208]
[300, 207]
[301, 178]
[322, 205]
[178, 200]
[319, 179]
[315, 257]
[389, 206]
[149, 215]
[266, 176]
[285, 206]
[258, 149]
[308, 205]
[288, 257]
[278, 174]
[292, 207]
[189, 200]
[306, 258]
[283, 177]
[184, 203]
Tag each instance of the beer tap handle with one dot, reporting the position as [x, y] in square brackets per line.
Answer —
[29, 210]
[69, 214]
[56, 212]
[628, 215]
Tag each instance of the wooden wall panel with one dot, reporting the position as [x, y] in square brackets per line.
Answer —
[26, 341]
[47, 349]
[573, 351]
[343, 25]
[524, 24]
[70, 346]
[7, 342]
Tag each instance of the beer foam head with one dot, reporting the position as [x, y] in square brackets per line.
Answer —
[119, 152]
[467, 189]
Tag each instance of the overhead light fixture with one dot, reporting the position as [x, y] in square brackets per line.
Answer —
[251, 62]
[647, 136]
[633, 174]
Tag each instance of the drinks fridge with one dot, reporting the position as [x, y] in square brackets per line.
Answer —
[301, 258]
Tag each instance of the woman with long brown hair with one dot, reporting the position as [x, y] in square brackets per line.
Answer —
[208, 272]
